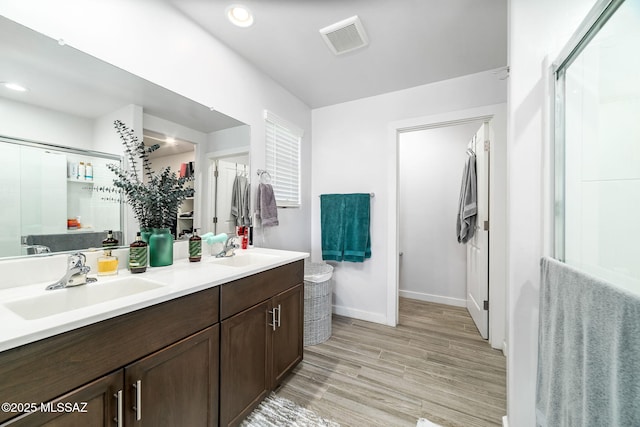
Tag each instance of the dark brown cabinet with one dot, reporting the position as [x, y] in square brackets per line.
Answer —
[204, 359]
[244, 368]
[174, 386]
[261, 344]
[101, 409]
[177, 385]
[287, 335]
[168, 339]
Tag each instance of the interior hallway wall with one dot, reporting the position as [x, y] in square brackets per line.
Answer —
[430, 165]
[350, 155]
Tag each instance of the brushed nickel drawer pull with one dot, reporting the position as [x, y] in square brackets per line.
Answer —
[138, 407]
[273, 318]
[279, 311]
[118, 419]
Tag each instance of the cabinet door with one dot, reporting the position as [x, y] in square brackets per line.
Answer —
[244, 370]
[288, 335]
[176, 386]
[95, 404]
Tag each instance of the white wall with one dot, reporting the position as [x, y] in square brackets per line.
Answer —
[537, 33]
[105, 139]
[136, 35]
[38, 124]
[350, 155]
[430, 164]
[174, 161]
[175, 130]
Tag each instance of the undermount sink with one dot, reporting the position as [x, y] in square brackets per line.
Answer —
[244, 260]
[63, 300]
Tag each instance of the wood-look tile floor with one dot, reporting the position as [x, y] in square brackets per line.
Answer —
[433, 365]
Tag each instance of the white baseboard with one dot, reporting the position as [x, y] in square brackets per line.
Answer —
[505, 421]
[360, 314]
[457, 302]
[504, 349]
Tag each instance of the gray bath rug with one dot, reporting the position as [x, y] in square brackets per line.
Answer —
[276, 411]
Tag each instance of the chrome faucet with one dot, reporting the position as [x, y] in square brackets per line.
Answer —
[229, 247]
[76, 274]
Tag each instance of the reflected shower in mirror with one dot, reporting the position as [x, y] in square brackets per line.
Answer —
[69, 104]
[53, 188]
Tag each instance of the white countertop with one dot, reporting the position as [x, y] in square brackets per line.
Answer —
[181, 278]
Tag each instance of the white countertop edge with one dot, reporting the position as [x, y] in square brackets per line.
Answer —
[16, 331]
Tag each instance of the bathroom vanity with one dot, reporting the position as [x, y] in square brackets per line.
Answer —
[202, 350]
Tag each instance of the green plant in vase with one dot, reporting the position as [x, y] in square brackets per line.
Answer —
[153, 196]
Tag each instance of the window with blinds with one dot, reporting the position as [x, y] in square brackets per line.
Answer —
[283, 159]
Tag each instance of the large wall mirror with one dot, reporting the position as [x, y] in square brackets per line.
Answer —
[64, 117]
[597, 146]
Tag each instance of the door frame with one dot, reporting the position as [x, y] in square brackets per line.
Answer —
[211, 157]
[496, 115]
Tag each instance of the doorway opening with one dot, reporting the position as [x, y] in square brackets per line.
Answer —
[225, 170]
[434, 265]
[495, 115]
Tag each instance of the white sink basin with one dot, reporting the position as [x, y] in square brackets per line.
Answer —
[62, 300]
[244, 260]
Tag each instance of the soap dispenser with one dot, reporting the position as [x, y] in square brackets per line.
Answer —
[195, 247]
[138, 255]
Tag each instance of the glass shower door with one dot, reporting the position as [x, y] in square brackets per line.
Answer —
[598, 149]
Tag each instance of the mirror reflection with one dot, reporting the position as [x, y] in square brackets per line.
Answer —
[61, 119]
[53, 191]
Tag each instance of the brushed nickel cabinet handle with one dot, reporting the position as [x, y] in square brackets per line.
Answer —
[118, 418]
[273, 319]
[279, 310]
[138, 407]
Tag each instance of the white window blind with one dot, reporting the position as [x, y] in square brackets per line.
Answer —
[283, 159]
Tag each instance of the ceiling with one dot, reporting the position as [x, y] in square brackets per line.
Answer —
[412, 42]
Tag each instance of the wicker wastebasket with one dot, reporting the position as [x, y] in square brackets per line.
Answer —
[317, 302]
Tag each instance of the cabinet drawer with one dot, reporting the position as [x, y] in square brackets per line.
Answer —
[43, 370]
[241, 294]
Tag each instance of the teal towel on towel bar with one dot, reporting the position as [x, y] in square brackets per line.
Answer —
[344, 222]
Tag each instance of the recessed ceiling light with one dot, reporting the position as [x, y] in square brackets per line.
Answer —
[240, 15]
[14, 86]
[170, 140]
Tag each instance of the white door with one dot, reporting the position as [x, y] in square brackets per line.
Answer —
[478, 246]
[224, 222]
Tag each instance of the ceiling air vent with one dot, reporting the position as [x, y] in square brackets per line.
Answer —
[345, 36]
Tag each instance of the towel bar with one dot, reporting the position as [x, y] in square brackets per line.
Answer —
[370, 194]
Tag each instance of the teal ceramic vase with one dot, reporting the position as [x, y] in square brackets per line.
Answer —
[145, 233]
[160, 247]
